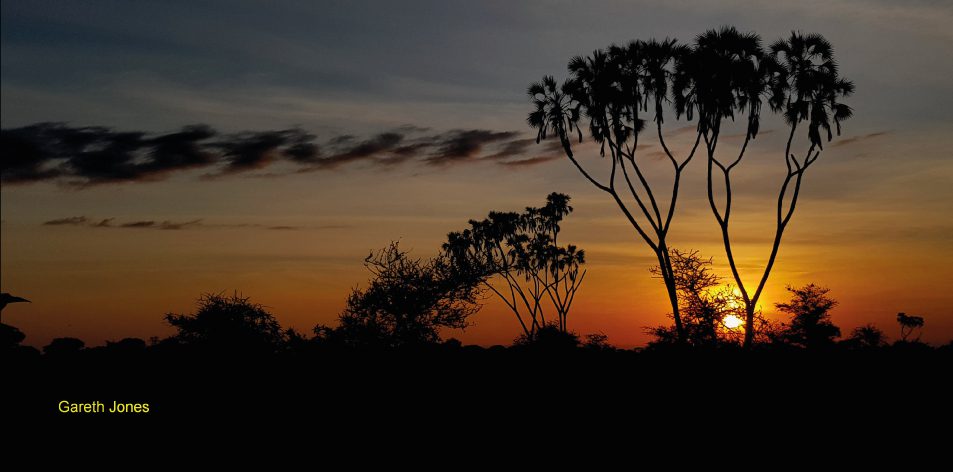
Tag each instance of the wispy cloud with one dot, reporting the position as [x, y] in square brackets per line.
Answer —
[85, 156]
[857, 139]
[529, 162]
[83, 221]
[165, 225]
[70, 221]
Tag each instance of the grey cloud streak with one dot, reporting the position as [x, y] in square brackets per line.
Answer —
[94, 155]
[86, 222]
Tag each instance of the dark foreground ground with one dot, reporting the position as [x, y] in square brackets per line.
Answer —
[383, 393]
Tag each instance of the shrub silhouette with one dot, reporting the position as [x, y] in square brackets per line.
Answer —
[64, 347]
[126, 346]
[597, 342]
[227, 323]
[866, 337]
[10, 337]
[548, 338]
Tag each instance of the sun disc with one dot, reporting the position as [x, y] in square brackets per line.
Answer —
[732, 322]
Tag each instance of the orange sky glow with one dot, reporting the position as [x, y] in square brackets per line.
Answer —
[872, 223]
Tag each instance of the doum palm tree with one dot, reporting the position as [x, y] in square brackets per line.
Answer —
[728, 73]
[725, 75]
[612, 88]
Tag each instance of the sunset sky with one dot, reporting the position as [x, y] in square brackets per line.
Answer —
[341, 126]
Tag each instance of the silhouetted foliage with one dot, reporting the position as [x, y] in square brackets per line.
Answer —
[549, 337]
[127, 346]
[295, 341]
[228, 324]
[597, 342]
[909, 324]
[810, 325]
[867, 336]
[406, 303]
[10, 336]
[522, 250]
[63, 347]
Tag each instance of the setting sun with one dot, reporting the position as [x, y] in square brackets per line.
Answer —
[732, 322]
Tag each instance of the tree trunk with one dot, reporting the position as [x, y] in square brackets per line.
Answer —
[749, 325]
[665, 265]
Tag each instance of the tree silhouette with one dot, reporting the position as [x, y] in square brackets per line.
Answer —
[228, 324]
[909, 324]
[612, 88]
[406, 302]
[728, 73]
[810, 326]
[522, 250]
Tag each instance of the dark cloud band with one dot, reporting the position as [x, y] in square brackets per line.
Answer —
[84, 156]
[85, 222]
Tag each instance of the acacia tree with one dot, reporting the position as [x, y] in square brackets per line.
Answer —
[228, 324]
[728, 73]
[908, 324]
[810, 324]
[614, 88]
[407, 301]
[705, 305]
[522, 250]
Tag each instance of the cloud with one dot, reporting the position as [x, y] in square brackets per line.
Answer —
[87, 156]
[466, 144]
[138, 224]
[529, 162]
[513, 148]
[83, 221]
[93, 155]
[380, 144]
[856, 139]
[254, 150]
[163, 225]
[169, 225]
[71, 221]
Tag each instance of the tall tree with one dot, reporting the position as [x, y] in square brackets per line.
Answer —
[519, 259]
[728, 73]
[613, 89]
